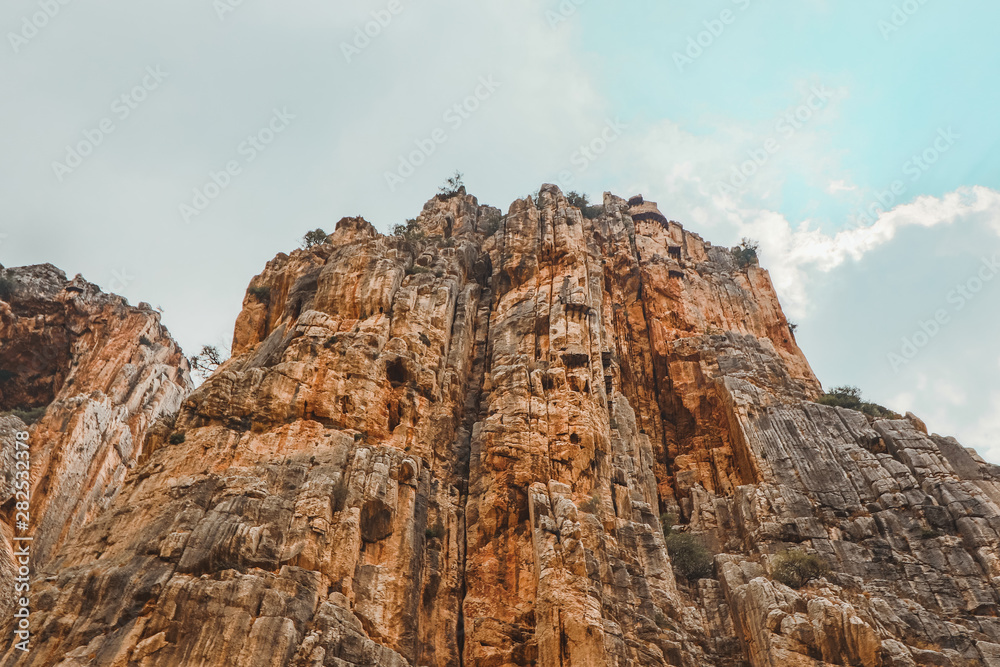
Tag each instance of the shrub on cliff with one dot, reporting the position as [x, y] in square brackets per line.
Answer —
[453, 186]
[262, 294]
[314, 238]
[582, 202]
[745, 253]
[7, 287]
[850, 398]
[408, 232]
[28, 415]
[796, 568]
[205, 362]
[689, 557]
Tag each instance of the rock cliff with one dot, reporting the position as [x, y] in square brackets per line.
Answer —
[93, 375]
[470, 444]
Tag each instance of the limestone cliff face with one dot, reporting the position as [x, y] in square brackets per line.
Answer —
[97, 373]
[457, 446]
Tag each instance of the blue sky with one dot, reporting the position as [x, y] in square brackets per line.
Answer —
[880, 96]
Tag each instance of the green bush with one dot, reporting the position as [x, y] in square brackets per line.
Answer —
[314, 238]
[262, 294]
[796, 568]
[592, 212]
[745, 253]
[145, 341]
[409, 231]
[689, 556]
[667, 520]
[417, 269]
[7, 287]
[176, 438]
[850, 398]
[578, 200]
[929, 534]
[28, 415]
[434, 532]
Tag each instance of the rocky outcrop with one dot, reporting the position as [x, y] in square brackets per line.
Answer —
[94, 375]
[460, 444]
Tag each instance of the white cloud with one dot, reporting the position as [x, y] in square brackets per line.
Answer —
[840, 186]
[790, 251]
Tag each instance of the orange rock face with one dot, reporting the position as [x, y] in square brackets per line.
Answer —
[97, 374]
[485, 441]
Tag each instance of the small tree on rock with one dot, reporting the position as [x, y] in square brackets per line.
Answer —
[745, 253]
[205, 362]
[453, 186]
[314, 238]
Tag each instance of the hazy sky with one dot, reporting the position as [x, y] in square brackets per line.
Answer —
[166, 151]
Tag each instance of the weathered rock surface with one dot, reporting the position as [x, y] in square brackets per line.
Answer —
[457, 446]
[98, 374]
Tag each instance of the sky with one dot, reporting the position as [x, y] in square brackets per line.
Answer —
[167, 151]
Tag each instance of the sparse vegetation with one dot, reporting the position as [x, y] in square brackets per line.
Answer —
[6, 375]
[425, 339]
[28, 415]
[453, 186]
[409, 231]
[434, 532]
[578, 200]
[491, 222]
[745, 253]
[689, 556]
[176, 438]
[261, 294]
[667, 520]
[314, 238]
[7, 287]
[796, 568]
[793, 327]
[145, 341]
[205, 362]
[582, 202]
[850, 397]
[417, 269]
[929, 534]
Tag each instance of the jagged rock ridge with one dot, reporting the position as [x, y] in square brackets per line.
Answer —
[455, 447]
